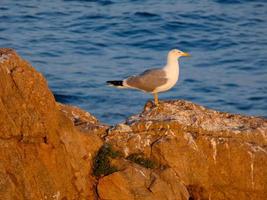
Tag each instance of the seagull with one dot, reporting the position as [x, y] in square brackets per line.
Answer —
[154, 80]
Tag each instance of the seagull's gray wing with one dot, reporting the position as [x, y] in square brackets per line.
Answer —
[148, 81]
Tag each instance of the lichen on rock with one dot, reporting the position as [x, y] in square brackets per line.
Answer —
[213, 154]
[102, 165]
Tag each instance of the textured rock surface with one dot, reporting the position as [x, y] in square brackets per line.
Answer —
[82, 120]
[136, 182]
[178, 151]
[43, 156]
[215, 155]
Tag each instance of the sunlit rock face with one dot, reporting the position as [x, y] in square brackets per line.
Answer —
[214, 155]
[43, 155]
[176, 151]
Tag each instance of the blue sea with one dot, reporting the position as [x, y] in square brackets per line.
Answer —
[79, 45]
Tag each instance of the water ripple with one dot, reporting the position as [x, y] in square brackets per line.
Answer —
[79, 44]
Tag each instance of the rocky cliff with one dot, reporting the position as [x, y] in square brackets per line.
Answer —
[43, 155]
[177, 151]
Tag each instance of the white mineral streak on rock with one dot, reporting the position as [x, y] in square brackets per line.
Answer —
[188, 136]
[141, 172]
[209, 196]
[168, 126]
[214, 147]
[147, 142]
[172, 133]
[75, 116]
[64, 111]
[126, 151]
[252, 156]
[148, 124]
[133, 119]
[56, 196]
[227, 145]
[138, 141]
[8, 71]
[256, 148]
[221, 140]
[122, 128]
[4, 58]
[89, 115]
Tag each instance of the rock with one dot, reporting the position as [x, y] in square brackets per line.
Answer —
[82, 120]
[135, 182]
[120, 187]
[215, 155]
[177, 151]
[43, 155]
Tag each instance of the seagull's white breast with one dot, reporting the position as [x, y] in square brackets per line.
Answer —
[172, 75]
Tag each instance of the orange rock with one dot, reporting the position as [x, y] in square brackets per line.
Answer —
[189, 152]
[114, 186]
[82, 120]
[216, 155]
[43, 156]
[136, 182]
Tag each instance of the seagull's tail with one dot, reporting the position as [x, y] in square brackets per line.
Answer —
[118, 84]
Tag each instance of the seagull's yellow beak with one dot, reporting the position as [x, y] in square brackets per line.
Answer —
[185, 54]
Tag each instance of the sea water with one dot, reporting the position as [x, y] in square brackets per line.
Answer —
[79, 45]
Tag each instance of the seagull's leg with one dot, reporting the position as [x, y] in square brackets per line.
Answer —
[156, 99]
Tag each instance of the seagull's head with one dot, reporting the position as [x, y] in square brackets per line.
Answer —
[175, 54]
